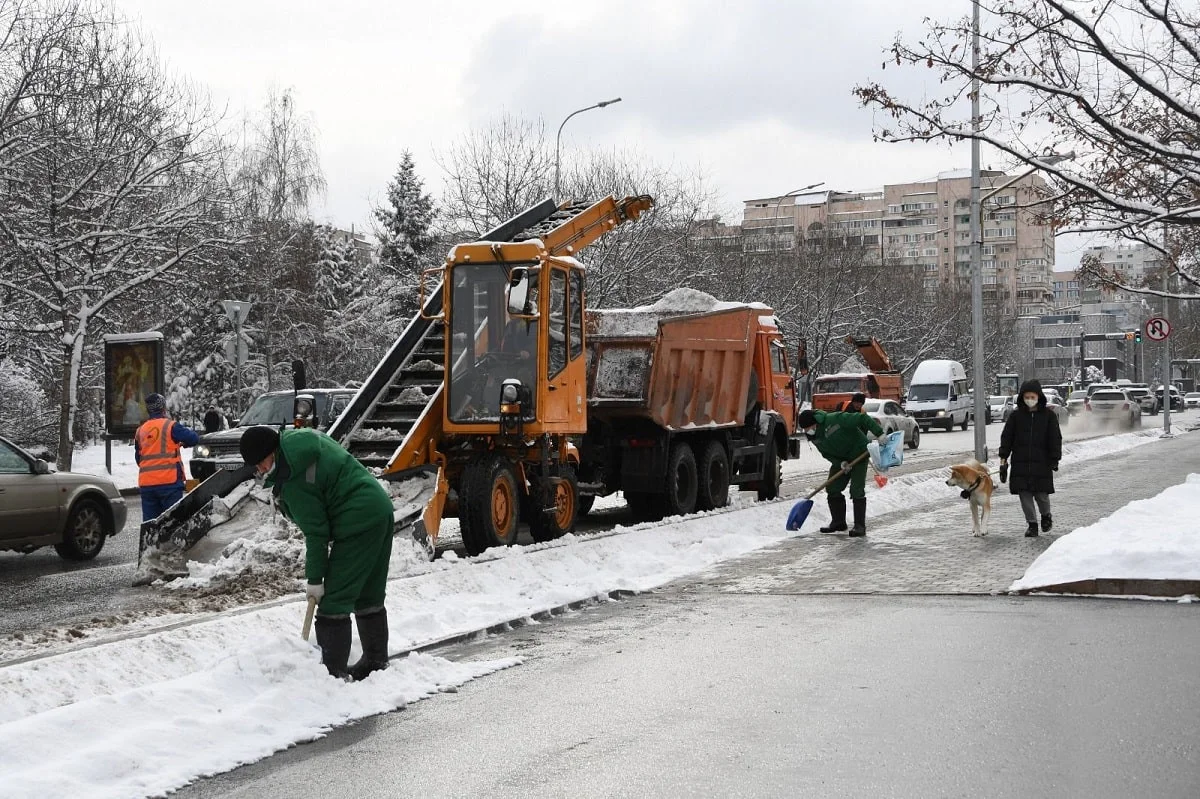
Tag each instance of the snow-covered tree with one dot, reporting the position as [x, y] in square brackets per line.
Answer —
[25, 412]
[404, 227]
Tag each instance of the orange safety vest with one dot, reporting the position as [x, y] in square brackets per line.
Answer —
[159, 453]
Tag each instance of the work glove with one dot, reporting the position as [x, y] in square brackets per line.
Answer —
[846, 467]
[1003, 472]
[315, 591]
[882, 438]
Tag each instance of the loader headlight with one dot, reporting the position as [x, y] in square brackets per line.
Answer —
[510, 392]
[201, 451]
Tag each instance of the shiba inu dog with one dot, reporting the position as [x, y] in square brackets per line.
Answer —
[977, 487]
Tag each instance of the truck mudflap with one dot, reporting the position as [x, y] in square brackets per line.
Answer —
[162, 541]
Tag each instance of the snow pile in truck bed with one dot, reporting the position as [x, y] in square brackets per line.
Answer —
[643, 320]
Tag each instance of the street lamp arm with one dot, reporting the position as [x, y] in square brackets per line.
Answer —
[558, 137]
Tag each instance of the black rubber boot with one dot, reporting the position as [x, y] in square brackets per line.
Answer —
[1047, 523]
[373, 634]
[860, 518]
[333, 636]
[1032, 530]
[837, 514]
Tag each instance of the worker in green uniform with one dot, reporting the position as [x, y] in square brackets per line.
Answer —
[346, 518]
[840, 438]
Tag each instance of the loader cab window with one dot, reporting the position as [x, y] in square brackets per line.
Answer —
[557, 323]
[576, 313]
[487, 345]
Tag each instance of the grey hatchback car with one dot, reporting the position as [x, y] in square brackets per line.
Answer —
[41, 507]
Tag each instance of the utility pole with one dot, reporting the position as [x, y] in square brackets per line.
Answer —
[980, 410]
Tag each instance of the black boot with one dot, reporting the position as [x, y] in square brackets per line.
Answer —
[373, 634]
[860, 518]
[1047, 523]
[333, 636]
[1032, 530]
[837, 514]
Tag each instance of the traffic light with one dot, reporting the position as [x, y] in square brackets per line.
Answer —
[1137, 335]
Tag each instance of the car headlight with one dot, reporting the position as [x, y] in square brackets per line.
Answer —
[201, 451]
[941, 413]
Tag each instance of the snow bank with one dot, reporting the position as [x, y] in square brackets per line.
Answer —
[1150, 539]
[643, 320]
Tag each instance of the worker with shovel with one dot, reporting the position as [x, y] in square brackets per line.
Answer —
[842, 438]
[346, 517]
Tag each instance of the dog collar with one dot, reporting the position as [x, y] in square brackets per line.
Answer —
[966, 492]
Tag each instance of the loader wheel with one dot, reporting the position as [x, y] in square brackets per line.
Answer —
[714, 477]
[489, 490]
[768, 487]
[682, 481]
[644, 506]
[545, 525]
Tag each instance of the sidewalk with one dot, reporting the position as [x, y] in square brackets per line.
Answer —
[930, 550]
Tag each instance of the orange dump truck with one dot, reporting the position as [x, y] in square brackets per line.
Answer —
[830, 392]
[684, 403]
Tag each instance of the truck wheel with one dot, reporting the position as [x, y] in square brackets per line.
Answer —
[85, 533]
[644, 506]
[768, 488]
[916, 438]
[489, 489]
[682, 481]
[545, 525]
[713, 489]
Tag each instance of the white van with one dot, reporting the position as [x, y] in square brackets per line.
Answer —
[937, 395]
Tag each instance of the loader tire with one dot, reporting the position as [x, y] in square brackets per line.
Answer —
[491, 504]
[683, 481]
[546, 525]
[714, 477]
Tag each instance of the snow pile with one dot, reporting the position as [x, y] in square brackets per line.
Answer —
[412, 395]
[425, 366]
[378, 433]
[1150, 539]
[683, 300]
[643, 320]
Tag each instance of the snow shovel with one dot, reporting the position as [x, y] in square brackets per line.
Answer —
[802, 508]
[308, 617]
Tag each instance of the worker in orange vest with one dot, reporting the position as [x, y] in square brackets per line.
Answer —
[156, 449]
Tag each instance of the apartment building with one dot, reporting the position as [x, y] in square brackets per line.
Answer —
[925, 226]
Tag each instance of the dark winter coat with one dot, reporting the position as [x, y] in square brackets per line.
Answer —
[1032, 443]
[842, 436]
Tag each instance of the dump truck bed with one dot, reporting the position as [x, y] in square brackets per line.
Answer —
[682, 372]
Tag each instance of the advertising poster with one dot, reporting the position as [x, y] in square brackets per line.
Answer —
[133, 368]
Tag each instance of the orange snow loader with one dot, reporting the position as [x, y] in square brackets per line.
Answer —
[832, 392]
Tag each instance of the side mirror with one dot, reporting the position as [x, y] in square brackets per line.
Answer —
[954, 398]
[41, 467]
[519, 301]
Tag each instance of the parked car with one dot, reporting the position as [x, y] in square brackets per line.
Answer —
[1144, 398]
[1176, 398]
[73, 512]
[1191, 399]
[996, 405]
[891, 417]
[1077, 402]
[1010, 405]
[219, 450]
[1113, 405]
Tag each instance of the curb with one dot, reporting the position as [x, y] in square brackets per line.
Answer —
[1120, 586]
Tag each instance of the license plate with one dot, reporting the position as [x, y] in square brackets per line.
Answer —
[229, 466]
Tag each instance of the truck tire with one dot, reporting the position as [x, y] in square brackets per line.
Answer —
[713, 469]
[682, 481]
[547, 526]
[644, 506]
[768, 487]
[492, 504]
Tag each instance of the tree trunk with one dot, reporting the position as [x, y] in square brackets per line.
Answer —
[69, 401]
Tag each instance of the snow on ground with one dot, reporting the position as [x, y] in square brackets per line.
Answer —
[91, 721]
[1150, 539]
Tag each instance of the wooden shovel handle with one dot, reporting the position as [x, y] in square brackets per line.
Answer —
[308, 617]
[838, 476]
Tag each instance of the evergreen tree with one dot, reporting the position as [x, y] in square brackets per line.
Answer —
[403, 227]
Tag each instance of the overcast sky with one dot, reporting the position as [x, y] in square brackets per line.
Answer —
[755, 95]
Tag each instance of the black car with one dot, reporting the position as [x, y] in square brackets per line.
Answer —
[219, 450]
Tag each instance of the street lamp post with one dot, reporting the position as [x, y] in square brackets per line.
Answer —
[558, 138]
[792, 193]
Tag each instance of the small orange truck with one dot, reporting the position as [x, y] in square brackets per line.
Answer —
[686, 398]
[831, 392]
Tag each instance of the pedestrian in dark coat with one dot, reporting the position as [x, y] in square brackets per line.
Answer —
[1033, 441]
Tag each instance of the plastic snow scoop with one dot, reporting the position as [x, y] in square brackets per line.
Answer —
[308, 617]
[802, 508]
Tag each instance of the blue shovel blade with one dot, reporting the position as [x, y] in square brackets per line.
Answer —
[799, 513]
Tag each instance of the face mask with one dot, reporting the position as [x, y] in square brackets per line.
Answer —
[1030, 403]
[811, 432]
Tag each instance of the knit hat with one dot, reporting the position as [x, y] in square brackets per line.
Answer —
[859, 398]
[156, 403]
[257, 443]
[806, 419]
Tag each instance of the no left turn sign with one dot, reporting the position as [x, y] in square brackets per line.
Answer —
[1157, 329]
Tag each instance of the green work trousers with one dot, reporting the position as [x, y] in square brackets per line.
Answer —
[358, 570]
[857, 480]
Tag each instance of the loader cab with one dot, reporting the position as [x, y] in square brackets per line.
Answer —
[515, 346]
